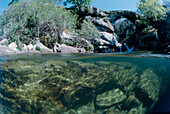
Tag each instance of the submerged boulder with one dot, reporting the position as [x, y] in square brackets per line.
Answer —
[109, 99]
[144, 90]
[77, 87]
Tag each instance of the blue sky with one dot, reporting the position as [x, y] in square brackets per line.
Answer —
[103, 4]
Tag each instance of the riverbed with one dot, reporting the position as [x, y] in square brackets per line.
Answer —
[85, 83]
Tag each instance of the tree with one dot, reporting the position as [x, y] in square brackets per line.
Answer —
[12, 2]
[49, 1]
[166, 3]
[151, 9]
[26, 20]
[78, 3]
[46, 1]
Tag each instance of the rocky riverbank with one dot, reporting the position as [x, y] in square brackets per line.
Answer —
[106, 39]
[12, 48]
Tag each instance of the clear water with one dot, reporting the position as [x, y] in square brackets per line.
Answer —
[85, 83]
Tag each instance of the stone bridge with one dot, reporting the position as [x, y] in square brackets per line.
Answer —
[104, 20]
[116, 15]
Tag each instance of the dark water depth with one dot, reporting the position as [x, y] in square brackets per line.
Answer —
[85, 83]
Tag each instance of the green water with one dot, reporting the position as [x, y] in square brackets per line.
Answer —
[85, 83]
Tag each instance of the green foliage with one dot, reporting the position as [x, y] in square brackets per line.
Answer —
[37, 48]
[20, 48]
[5, 43]
[88, 31]
[68, 42]
[78, 3]
[24, 21]
[166, 3]
[151, 9]
[89, 48]
[50, 1]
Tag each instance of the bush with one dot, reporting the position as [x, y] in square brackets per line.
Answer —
[37, 48]
[24, 21]
[89, 48]
[19, 48]
[88, 31]
[151, 10]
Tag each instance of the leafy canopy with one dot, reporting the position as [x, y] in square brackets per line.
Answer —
[78, 3]
[151, 9]
[24, 21]
[166, 2]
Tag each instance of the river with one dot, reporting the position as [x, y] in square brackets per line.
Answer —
[85, 83]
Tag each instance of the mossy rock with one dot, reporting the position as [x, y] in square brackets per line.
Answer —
[74, 86]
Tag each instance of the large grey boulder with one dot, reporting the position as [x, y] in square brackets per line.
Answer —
[65, 49]
[107, 43]
[103, 24]
[94, 11]
[4, 41]
[37, 48]
[4, 50]
[109, 98]
[109, 38]
[13, 46]
[149, 39]
[43, 48]
[31, 47]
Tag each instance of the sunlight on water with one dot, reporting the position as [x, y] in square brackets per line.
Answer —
[84, 83]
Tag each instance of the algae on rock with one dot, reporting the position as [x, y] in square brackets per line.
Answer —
[77, 87]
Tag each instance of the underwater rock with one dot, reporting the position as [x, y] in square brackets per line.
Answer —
[77, 87]
[131, 102]
[148, 88]
[109, 99]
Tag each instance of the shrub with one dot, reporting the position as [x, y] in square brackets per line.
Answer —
[19, 48]
[37, 48]
[88, 31]
[5, 44]
[151, 9]
[89, 48]
[24, 21]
